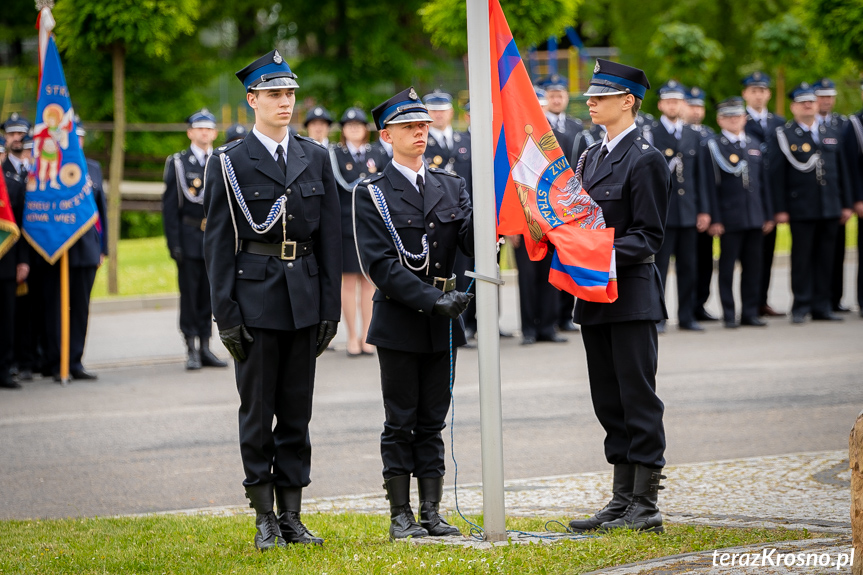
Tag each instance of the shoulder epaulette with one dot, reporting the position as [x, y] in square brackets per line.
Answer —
[440, 171]
[371, 178]
[228, 146]
[307, 139]
[641, 144]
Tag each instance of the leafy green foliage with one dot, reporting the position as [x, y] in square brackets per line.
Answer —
[685, 53]
[149, 26]
[781, 40]
[839, 23]
[445, 21]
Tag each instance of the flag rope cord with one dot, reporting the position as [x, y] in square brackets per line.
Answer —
[475, 530]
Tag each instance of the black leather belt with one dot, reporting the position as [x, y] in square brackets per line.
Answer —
[282, 250]
[200, 223]
[648, 260]
[442, 284]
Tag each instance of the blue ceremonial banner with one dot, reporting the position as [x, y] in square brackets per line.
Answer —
[60, 206]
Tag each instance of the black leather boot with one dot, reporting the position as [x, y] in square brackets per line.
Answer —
[643, 513]
[268, 534]
[208, 359]
[431, 491]
[624, 479]
[193, 358]
[403, 524]
[289, 500]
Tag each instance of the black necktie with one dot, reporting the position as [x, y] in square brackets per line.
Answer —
[280, 158]
[602, 153]
[421, 185]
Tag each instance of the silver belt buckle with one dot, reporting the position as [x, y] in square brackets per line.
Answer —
[293, 250]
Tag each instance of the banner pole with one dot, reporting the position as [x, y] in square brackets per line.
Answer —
[64, 318]
[485, 251]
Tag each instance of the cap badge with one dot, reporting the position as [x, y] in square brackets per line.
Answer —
[277, 58]
[14, 116]
[804, 85]
[672, 84]
[352, 114]
[318, 111]
[757, 75]
[205, 111]
[596, 68]
[412, 94]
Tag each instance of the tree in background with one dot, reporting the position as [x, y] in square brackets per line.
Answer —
[781, 43]
[684, 52]
[445, 21]
[120, 27]
[839, 23]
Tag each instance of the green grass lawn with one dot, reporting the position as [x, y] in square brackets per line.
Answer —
[353, 544]
[145, 268]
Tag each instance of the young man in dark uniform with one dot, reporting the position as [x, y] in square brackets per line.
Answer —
[761, 126]
[688, 210]
[811, 193]
[852, 146]
[630, 181]
[184, 222]
[415, 306]
[273, 252]
[735, 177]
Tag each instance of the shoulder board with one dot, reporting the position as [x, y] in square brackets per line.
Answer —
[642, 145]
[443, 172]
[593, 145]
[306, 138]
[843, 117]
[228, 146]
[370, 179]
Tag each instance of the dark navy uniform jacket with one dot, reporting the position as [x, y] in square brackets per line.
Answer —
[753, 127]
[736, 204]
[374, 160]
[265, 291]
[402, 318]
[632, 186]
[688, 199]
[16, 186]
[183, 219]
[816, 195]
[437, 155]
[87, 251]
[852, 146]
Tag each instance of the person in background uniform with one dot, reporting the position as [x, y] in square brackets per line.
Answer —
[30, 324]
[630, 181]
[694, 116]
[14, 264]
[825, 92]
[184, 222]
[273, 252]
[235, 132]
[688, 210]
[811, 193]
[734, 175]
[415, 324]
[761, 126]
[353, 160]
[852, 146]
[85, 256]
[569, 134]
[317, 123]
[443, 142]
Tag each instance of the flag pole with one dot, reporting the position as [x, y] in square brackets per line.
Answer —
[487, 272]
[64, 318]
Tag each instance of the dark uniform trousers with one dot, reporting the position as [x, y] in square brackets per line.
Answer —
[687, 201]
[536, 295]
[703, 250]
[814, 202]
[762, 136]
[741, 205]
[632, 186]
[281, 302]
[852, 147]
[84, 258]
[184, 222]
[17, 254]
[413, 344]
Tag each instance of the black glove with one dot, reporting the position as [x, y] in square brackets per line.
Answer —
[326, 332]
[177, 255]
[452, 304]
[232, 338]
